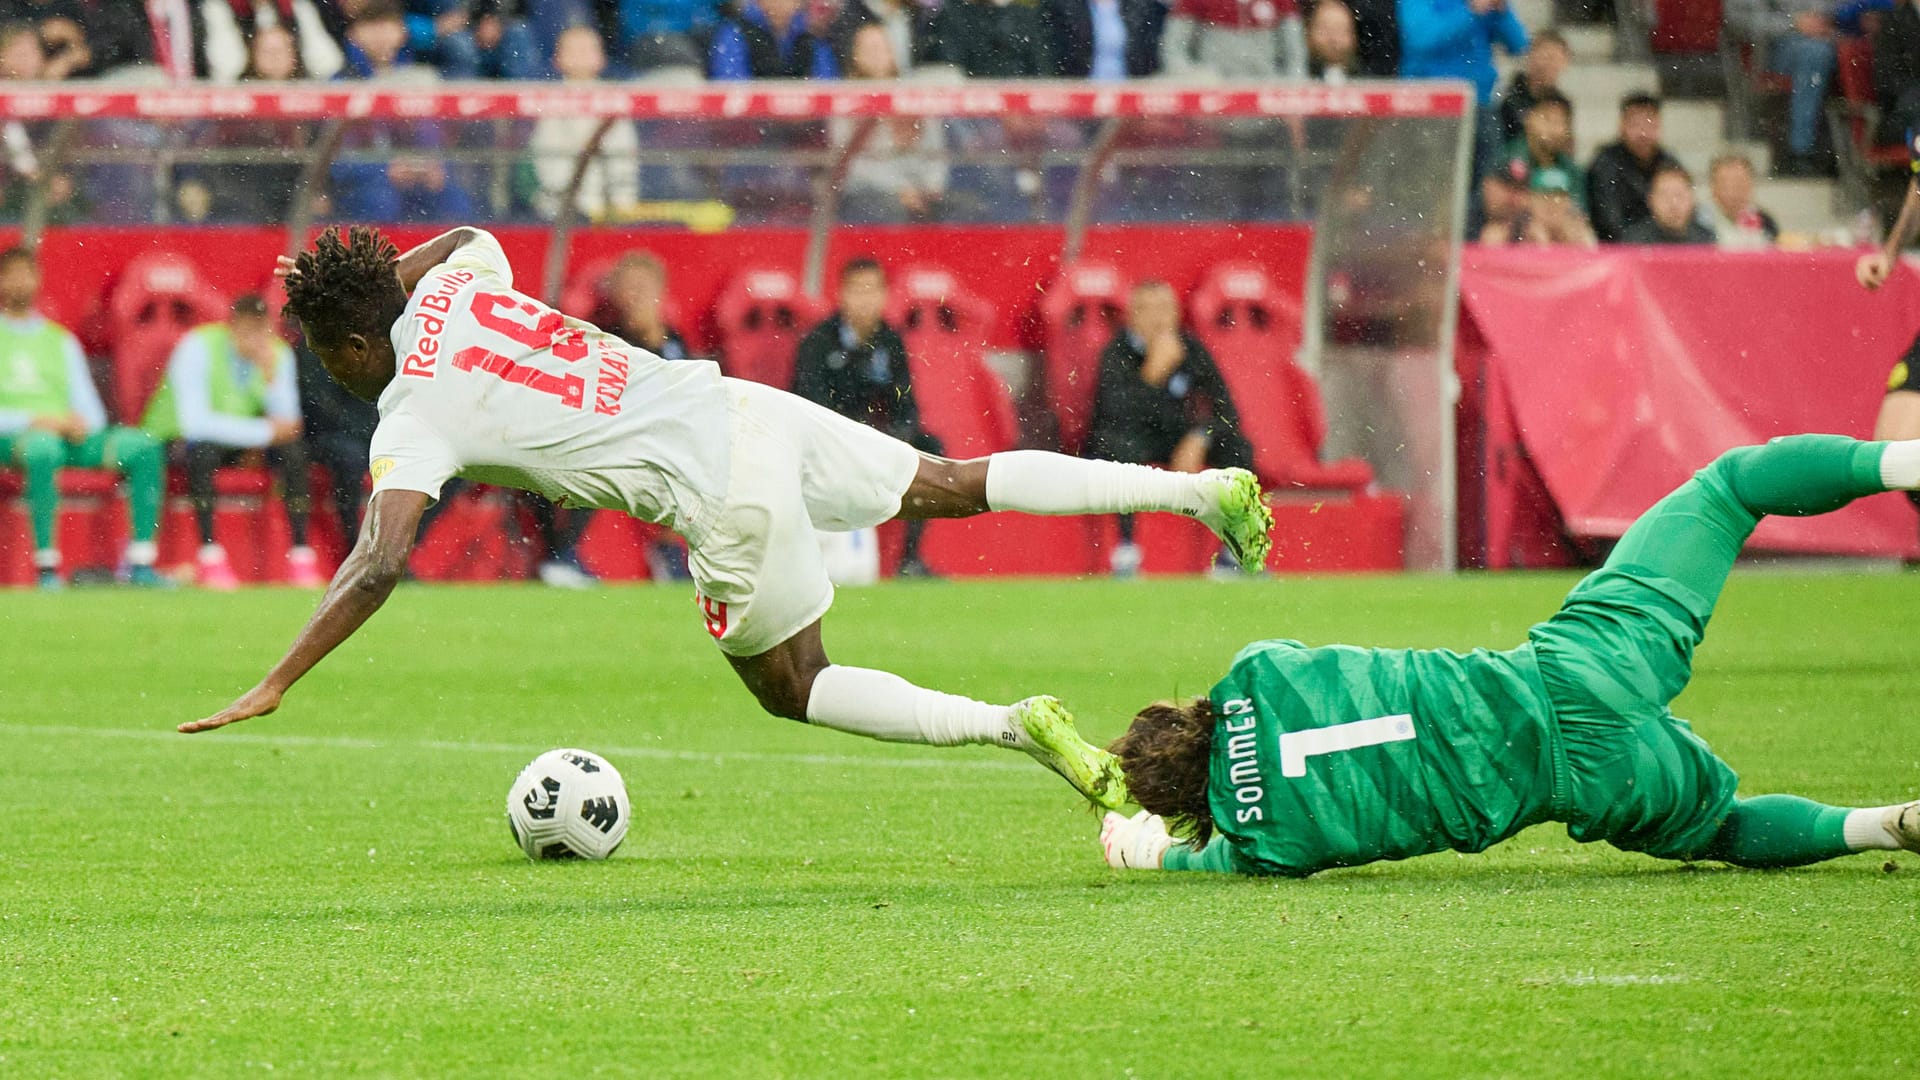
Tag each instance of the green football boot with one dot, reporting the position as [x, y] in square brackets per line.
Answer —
[1050, 737]
[1239, 517]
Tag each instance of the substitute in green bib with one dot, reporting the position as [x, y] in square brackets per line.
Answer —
[231, 388]
[1303, 759]
[51, 417]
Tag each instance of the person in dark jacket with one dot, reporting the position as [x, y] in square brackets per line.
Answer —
[1671, 218]
[770, 39]
[1896, 73]
[1622, 172]
[1547, 60]
[856, 365]
[996, 39]
[1376, 30]
[337, 429]
[631, 306]
[1104, 39]
[908, 23]
[1161, 401]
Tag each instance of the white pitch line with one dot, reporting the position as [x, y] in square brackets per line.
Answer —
[342, 742]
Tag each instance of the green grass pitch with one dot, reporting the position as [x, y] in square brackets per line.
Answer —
[332, 890]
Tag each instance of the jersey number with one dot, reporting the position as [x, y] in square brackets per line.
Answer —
[537, 331]
[1297, 746]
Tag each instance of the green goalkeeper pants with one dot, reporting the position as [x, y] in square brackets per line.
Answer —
[42, 454]
[1621, 648]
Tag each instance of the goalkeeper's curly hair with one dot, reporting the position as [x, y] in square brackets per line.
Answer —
[1166, 754]
[346, 286]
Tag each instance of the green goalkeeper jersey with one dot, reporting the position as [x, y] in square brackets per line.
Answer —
[1339, 755]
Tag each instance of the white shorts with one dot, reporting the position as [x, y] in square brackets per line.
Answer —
[796, 467]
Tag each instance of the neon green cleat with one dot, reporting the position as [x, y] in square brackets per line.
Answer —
[1051, 739]
[1240, 517]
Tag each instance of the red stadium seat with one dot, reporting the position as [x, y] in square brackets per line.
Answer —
[92, 524]
[761, 316]
[1081, 312]
[1686, 27]
[1853, 114]
[1253, 330]
[946, 328]
[158, 298]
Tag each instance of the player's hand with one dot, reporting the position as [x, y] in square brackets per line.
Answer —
[1139, 842]
[258, 701]
[1165, 354]
[1873, 270]
[284, 431]
[283, 268]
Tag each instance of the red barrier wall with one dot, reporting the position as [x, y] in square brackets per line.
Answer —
[1620, 372]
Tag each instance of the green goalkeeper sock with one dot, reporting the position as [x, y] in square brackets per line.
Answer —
[1780, 830]
[1802, 475]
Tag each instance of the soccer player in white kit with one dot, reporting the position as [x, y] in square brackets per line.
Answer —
[477, 380]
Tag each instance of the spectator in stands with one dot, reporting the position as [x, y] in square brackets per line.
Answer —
[631, 308]
[256, 192]
[231, 388]
[1377, 34]
[51, 417]
[1622, 171]
[413, 183]
[770, 39]
[1896, 74]
[228, 27]
[1229, 39]
[1107, 40]
[471, 39]
[611, 184]
[1546, 61]
[1454, 39]
[856, 365]
[1671, 220]
[1542, 157]
[1794, 38]
[1553, 216]
[899, 174]
[1505, 216]
[996, 39]
[1161, 401]
[1332, 48]
[908, 24]
[336, 428]
[651, 34]
[1736, 220]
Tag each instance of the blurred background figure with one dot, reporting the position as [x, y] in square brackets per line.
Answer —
[1794, 38]
[612, 180]
[996, 39]
[909, 27]
[1546, 61]
[1107, 40]
[51, 418]
[473, 39]
[1543, 156]
[1332, 44]
[232, 388]
[1622, 171]
[1671, 212]
[770, 39]
[632, 306]
[1736, 220]
[856, 364]
[1455, 39]
[1553, 215]
[1161, 401]
[1228, 39]
[899, 174]
[336, 428]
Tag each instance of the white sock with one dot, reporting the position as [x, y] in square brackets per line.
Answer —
[1037, 482]
[1899, 465]
[884, 706]
[212, 553]
[46, 559]
[142, 553]
[1866, 830]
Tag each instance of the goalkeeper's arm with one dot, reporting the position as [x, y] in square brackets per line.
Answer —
[1141, 842]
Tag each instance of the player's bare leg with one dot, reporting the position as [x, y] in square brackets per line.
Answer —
[795, 680]
[1899, 417]
[1036, 482]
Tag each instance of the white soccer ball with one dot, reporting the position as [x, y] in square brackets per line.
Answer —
[568, 804]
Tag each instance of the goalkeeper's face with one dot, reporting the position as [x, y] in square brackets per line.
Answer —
[363, 365]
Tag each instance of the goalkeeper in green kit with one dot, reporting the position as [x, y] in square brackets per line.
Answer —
[1304, 759]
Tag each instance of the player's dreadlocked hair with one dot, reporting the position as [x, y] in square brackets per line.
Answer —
[1165, 756]
[346, 286]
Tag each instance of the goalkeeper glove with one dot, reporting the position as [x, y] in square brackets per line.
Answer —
[1136, 843]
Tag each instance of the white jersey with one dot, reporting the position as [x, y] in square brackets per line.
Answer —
[493, 386]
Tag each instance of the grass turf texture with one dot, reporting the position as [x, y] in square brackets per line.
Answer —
[333, 890]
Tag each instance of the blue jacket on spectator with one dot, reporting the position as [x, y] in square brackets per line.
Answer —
[1847, 17]
[643, 18]
[746, 43]
[1444, 39]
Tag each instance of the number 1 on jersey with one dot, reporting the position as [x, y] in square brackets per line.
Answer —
[570, 389]
[1297, 746]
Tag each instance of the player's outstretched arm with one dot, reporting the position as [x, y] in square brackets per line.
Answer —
[362, 585]
[414, 263]
[1873, 269]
